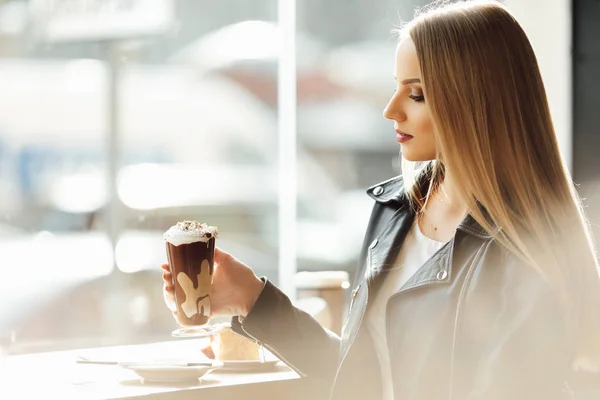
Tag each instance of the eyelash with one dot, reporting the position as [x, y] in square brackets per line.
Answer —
[418, 99]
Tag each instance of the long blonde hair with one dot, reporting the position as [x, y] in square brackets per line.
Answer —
[494, 131]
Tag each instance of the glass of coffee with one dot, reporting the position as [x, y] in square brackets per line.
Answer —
[191, 251]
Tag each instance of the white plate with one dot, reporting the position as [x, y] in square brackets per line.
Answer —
[166, 373]
[247, 366]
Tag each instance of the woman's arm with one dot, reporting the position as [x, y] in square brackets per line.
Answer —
[292, 335]
[514, 338]
[270, 318]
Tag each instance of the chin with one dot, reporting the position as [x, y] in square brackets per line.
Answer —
[416, 157]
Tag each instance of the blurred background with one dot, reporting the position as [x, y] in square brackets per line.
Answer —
[119, 118]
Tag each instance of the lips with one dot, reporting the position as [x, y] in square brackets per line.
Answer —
[402, 137]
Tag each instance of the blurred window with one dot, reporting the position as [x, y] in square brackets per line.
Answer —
[196, 112]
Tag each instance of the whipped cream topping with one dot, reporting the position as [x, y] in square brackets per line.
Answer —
[186, 232]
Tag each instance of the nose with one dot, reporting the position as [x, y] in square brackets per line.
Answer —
[394, 110]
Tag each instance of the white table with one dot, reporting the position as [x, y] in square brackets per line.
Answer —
[56, 375]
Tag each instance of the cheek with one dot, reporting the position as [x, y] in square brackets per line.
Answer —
[426, 134]
[423, 124]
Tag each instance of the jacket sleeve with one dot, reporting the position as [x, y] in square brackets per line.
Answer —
[515, 340]
[293, 335]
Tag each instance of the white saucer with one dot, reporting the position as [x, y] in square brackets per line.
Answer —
[171, 373]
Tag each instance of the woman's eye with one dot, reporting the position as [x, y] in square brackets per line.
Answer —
[418, 99]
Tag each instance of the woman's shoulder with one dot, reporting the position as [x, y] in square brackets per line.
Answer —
[510, 294]
[500, 271]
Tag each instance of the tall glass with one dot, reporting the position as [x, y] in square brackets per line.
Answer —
[190, 250]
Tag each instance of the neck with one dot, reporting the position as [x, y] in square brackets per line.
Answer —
[443, 211]
[450, 193]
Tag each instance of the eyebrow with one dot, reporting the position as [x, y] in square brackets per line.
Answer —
[409, 80]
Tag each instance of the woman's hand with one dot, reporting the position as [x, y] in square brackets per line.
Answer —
[234, 290]
[169, 290]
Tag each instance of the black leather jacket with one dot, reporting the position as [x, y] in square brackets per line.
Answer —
[472, 323]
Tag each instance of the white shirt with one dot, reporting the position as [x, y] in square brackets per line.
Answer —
[416, 250]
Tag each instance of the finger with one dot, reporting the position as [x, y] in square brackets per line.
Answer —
[171, 305]
[166, 267]
[167, 277]
[169, 288]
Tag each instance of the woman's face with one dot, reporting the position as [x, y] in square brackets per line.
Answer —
[408, 108]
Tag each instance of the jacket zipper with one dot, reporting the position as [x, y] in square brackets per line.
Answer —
[333, 384]
[362, 312]
[368, 280]
[354, 293]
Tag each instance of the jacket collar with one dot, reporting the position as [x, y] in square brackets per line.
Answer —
[393, 191]
[390, 190]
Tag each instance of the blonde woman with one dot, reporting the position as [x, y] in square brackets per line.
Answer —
[477, 279]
